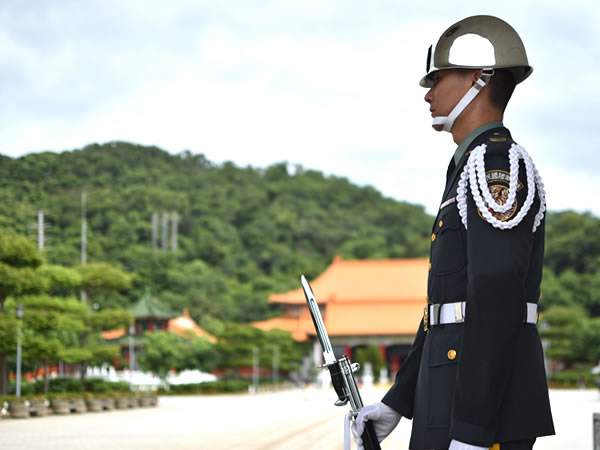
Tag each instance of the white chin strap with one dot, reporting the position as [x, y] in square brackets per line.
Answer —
[448, 121]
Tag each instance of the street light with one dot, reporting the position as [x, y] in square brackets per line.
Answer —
[131, 348]
[20, 312]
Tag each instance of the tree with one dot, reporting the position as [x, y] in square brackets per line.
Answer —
[95, 279]
[563, 330]
[18, 260]
[99, 277]
[236, 343]
[165, 351]
[370, 354]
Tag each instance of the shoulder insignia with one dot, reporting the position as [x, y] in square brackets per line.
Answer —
[499, 186]
[499, 194]
[501, 176]
[497, 139]
[495, 192]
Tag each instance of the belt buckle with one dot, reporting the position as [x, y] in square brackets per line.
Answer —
[426, 318]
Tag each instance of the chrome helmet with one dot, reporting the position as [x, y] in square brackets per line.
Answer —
[477, 42]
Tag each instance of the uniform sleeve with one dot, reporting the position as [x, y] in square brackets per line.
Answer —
[401, 395]
[498, 261]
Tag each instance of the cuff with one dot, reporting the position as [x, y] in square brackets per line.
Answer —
[457, 445]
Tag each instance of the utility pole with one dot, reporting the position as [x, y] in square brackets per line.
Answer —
[40, 239]
[165, 231]
[154, 231]
[83, 237]
[174, 224]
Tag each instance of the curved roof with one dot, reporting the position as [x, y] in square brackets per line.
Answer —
[149, 307]
[365, 280]
[359, 297]
[185, 326]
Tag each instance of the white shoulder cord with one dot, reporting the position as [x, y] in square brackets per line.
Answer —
[474, 174]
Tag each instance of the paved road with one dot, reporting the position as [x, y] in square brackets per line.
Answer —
[292, 420]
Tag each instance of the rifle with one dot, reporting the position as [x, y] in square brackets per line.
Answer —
[341, 370]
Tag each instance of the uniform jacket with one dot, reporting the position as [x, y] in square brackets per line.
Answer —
[493, 387]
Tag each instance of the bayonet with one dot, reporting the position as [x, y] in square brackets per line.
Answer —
[340, 369]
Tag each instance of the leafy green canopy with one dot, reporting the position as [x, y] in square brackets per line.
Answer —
[243, 233]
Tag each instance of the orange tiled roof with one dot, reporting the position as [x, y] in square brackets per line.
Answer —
[185, 326]
[360, 280]
[297, 326]
[361, 297]
[368, 318]
[112, 334]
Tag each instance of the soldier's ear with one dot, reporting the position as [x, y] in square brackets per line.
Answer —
[474, 76]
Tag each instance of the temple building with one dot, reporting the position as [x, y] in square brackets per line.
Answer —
[362, 302]
[151, 315]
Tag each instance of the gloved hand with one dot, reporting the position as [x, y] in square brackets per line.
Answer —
[384, 420]
[457, 445]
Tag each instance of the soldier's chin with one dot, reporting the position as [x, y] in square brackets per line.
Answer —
[437, 127]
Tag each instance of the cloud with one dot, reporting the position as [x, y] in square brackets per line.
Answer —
[329, 85]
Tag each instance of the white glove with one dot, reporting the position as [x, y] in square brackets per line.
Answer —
[457, 445]
[384, 420]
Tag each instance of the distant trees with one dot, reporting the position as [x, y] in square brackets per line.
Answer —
[236, 344]
[19, 260]
[243, 233]
[165, 351]
[571, 287]
[55, 325]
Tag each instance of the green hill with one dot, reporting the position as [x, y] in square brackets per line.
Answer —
[242, 232]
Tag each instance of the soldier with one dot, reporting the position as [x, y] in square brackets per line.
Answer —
[474, 377]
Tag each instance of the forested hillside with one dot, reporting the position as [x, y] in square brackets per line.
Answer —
[246, 232]
[242, 232]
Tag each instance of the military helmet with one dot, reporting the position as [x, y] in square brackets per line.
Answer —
[478, 42]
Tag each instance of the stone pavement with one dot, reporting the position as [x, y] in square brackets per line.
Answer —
[290, 420]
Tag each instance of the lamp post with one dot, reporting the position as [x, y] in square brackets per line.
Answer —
[275, 366]
[20, 312]
[255, 369]
[131, 350]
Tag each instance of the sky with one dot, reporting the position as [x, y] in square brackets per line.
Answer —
[330, 85]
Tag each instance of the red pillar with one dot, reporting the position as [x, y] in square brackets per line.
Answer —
[383, 351]
[348, 351]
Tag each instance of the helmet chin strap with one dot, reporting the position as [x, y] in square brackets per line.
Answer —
[448, 121]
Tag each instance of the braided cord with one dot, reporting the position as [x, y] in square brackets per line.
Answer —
[474, 174]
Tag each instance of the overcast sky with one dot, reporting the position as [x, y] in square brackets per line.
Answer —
[331, 85]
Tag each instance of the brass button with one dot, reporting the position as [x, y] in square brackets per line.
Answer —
[441, 224]
[429, 269]
[451, 354]
[433, 237]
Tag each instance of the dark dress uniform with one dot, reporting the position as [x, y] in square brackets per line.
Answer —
[482, 381]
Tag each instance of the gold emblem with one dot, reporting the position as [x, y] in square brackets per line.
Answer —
[500, 195]
[451, 354]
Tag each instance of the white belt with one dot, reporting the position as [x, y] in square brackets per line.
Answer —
[440, 314]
